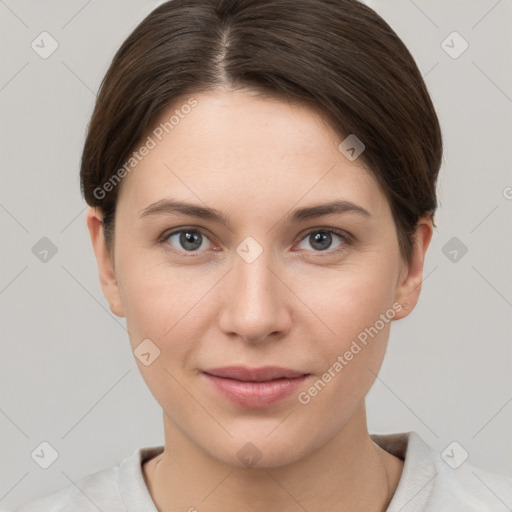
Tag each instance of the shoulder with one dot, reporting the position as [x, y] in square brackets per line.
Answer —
[443, 482]
[108, 490]
[93, 492]
[477, 489]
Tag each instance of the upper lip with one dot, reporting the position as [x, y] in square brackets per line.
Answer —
[262, 374]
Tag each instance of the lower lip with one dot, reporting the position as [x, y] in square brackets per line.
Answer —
[256, 394]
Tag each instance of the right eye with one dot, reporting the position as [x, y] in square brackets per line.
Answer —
[186, 240]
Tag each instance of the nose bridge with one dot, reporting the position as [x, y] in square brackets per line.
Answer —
[255, 306]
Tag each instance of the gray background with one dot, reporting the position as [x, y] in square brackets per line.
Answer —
[67, 374]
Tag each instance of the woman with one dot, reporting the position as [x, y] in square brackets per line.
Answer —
[261, 177]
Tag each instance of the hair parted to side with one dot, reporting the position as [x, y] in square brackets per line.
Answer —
[338, 55]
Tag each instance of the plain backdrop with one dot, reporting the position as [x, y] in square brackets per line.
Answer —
[68, 376]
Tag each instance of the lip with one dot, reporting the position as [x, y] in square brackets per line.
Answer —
[255, 387]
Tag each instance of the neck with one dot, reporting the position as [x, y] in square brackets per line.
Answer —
[349, 472]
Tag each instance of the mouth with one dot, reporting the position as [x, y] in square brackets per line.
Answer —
[255, 387]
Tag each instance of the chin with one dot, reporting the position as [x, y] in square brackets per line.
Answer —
[255, 448]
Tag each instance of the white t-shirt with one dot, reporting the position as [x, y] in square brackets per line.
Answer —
[427, 483]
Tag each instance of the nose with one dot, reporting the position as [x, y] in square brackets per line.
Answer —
[254, 303]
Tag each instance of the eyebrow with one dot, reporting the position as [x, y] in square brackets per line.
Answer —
[171, 206]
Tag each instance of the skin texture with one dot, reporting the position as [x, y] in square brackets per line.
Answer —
[255, 159]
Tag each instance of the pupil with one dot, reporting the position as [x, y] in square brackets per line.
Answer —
[190, 240]
[323, 239]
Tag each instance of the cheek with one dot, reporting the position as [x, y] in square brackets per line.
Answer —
[165, 305]
[360, 312]
[162, 302]
[351, 298]
[356, 309]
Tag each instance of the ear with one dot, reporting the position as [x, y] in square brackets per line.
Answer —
[409, 286]
[104, 260]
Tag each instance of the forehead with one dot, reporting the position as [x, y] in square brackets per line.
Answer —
[241, 145]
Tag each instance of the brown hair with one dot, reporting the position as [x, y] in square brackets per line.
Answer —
[336, 54]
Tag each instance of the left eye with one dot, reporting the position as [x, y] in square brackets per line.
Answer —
[322, 239]
[189, 240]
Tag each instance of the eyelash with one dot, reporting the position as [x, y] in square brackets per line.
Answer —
[345, 238]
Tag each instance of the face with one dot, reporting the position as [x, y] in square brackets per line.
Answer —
[260, 270]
